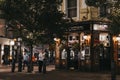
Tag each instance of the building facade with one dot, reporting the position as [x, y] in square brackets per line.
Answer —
[78, 10]
[90, 32]
[6, 43]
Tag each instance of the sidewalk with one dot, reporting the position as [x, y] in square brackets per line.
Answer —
[53, 74]
[7, 68]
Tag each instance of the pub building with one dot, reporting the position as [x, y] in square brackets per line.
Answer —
[116, 42]
[88, 42]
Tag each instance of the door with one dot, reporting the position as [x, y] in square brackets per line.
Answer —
[105, 58]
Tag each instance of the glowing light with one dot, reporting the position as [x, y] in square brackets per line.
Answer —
[12, 42]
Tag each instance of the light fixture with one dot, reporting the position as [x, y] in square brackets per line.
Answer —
[12, 42]
[118, 38]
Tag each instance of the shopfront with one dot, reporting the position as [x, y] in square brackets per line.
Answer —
[6, 46]
[89, 43]
[116, 41]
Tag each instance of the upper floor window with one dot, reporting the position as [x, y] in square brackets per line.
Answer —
[72, 8]
[103, 11]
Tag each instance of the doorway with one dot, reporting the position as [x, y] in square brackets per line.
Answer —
[6, 55]
[105, 58]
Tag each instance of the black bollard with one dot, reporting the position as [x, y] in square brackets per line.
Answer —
[113, 70]
[44, 65]
[13, 65]
[20, 63]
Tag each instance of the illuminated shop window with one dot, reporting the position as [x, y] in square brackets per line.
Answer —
[100, 27]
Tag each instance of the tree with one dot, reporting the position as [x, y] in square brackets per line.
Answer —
[36, 21]
[37, 16]
[115, 18]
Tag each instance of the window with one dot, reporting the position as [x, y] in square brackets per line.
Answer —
[72, 8]
[103, 11]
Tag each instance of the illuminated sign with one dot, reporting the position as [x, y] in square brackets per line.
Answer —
[100, 27]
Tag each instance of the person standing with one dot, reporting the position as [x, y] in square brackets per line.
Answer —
[13, 61]
[25, 60]
[40, 61]
[3, 58]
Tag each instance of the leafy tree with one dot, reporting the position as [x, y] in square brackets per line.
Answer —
[35, 17]
[115, 17]
[36, 21]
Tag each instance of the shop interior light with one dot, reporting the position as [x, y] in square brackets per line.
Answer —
[118, 38]
[12, 42]
[56, 39]
[85, 36]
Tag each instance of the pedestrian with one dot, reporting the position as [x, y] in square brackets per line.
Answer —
[63, 58]
[13, 61]
[40, 61]
[25, 59]
[20, 58]
[45, 57]
[72, 55]
[76, 59]
[3, 59]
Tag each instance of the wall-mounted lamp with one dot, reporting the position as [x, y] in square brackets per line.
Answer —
[56, 39]
[12, 42]
[118, 38]
[86, 37]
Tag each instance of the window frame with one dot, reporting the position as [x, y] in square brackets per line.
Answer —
[72, 8]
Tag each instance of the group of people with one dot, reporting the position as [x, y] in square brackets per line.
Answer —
[71, 57]
[41, 61]
[43, 58]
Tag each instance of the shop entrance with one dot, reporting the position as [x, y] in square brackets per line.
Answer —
[101, 49]
[104, 58]
[94, 49]
[6, 55]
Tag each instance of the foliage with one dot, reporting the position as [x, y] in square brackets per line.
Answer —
[38, 20]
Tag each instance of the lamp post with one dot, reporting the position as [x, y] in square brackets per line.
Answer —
[113, 64]
[12, 43]
[57, 53]
[30, 38]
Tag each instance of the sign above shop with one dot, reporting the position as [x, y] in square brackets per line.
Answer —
[100, 27]
[76, 28]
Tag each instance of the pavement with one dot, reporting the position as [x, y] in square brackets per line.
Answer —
[52, 74]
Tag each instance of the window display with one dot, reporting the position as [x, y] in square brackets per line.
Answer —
[64, 54]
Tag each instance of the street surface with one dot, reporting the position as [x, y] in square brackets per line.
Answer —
[52, 74]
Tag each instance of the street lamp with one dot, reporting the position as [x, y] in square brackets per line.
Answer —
[57, 52]
[30, 38]
[113, 64]
[13, 53]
